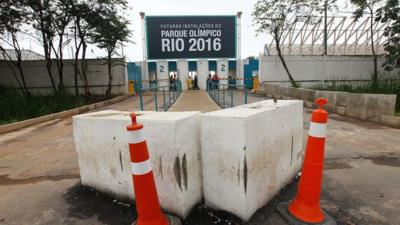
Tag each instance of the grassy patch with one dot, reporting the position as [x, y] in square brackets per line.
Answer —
[16, 107]
[385, 85]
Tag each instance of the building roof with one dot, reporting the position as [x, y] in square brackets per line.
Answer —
[26, 55]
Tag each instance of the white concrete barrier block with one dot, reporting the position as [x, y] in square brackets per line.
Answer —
[249, 153]
[173, 140]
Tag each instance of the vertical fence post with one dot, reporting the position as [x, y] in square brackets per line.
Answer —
[223, 96]
[140, 96]
[155, 99]
[231, 97]
[245, 95]
[213, 89]
[173, 92]
[218, 92]
[165, 105]
[169, 95]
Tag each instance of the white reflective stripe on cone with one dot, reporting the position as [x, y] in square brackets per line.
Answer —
[141, 168]
[136, 136]
[317, 130]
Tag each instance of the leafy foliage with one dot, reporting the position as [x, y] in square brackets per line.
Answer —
[12, 17]
[391, 11]
[110, 29]
[53, 22]
[276, 16]
[16, 107]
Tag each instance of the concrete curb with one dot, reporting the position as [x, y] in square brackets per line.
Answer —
[71, 112]
[365, 107]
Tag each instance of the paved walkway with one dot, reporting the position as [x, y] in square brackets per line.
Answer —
[197, 100]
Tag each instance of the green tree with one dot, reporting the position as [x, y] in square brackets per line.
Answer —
[109, 30]
[370, 6]
[62, 18]
[107, 34]
[42, 14]
[81, 13]
[391, 11]
[12, 18]
[276, 16]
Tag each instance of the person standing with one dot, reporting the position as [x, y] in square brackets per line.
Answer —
[209, 83]
[215, 81]
[195, 83]
[190, 83]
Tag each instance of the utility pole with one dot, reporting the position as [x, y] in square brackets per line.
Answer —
[145, 74]
[239, 65]
[326, 28]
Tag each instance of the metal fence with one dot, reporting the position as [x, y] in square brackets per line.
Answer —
[227, 95]
[160, 98]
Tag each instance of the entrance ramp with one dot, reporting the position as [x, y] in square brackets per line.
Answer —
[194, 100]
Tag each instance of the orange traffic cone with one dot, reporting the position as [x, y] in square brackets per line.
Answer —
[147, 203]
[305, 207]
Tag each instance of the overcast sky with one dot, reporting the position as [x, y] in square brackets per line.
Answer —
[252, 44]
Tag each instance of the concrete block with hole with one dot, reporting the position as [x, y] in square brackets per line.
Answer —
[249, 153]
[173, 140]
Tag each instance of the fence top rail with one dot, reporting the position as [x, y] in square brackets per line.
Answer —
[225, 85]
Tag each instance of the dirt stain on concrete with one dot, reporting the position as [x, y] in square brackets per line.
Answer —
[177, 171]
[160, 168]
[120, 160]
[238, 172]
[5, 180]
[185, 172]
[245, 174]
[385, 161]
[291, 152]
[335, 165]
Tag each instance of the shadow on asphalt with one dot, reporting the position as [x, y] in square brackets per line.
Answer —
[85, 203]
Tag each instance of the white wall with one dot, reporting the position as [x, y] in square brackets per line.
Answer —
[202, 73]
[38, 80]
[163, 73]
[222, 70]
[183, 71]
[304, 68]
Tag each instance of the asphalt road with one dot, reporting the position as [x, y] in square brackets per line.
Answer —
[39, 178]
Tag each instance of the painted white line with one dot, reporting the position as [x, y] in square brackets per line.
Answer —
[141, 168]
[317, 130]
[136, 136]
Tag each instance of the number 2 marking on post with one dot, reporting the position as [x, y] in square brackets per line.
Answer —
[223, 67]
[161, 69]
